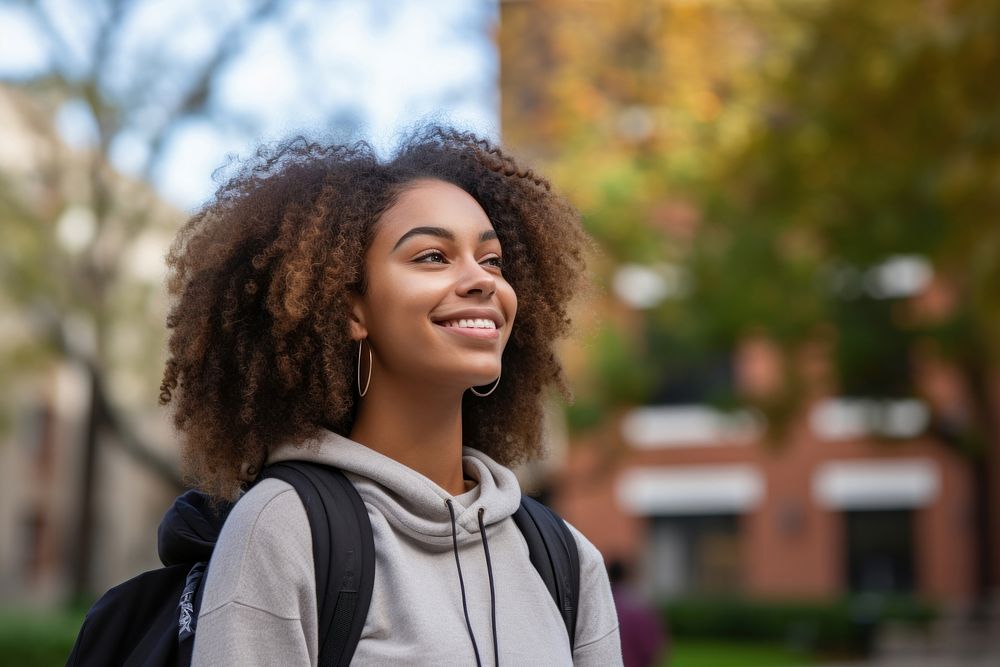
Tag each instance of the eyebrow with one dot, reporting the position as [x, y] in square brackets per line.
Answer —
[440, 232]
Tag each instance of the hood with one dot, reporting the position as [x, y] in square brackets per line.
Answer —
[190, 528]
[410, 501]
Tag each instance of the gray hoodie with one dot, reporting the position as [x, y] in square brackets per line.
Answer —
[259, 605]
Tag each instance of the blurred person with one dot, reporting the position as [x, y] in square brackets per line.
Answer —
[643, 639]
[394, 319]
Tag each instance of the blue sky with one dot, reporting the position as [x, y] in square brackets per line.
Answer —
[376, 67]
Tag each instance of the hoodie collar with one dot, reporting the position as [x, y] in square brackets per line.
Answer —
[408, 499]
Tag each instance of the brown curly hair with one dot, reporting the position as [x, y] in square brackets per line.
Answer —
[260, 352]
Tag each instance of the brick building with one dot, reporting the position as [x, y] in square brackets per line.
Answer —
[705, 506]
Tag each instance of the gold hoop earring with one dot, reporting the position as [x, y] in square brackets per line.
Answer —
[361, 344]
[495, 385]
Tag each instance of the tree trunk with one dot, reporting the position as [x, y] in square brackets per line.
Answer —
[85, 522]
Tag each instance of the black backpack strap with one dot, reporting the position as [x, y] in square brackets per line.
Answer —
[552, 550]
[343, 554]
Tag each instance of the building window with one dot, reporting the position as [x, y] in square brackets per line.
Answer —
[694, 555]
[880, 551]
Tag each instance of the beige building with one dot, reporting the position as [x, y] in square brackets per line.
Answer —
[46, 212]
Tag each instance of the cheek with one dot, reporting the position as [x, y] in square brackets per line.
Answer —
[400, 307]
[386, 310]
[508, 298]
[396, 311]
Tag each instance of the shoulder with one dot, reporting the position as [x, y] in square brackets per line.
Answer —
[266, 534]
[597, 639]
[595, 588]
[259, 601]
[271, 510]
[590, 556]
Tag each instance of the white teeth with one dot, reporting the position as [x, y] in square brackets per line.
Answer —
[471, 324]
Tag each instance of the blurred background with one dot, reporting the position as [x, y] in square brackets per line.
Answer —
[786, 430]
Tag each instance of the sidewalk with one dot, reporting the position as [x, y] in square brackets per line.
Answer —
[951, 642]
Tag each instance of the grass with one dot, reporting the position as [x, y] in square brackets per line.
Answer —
[699, 653]
[37, 639]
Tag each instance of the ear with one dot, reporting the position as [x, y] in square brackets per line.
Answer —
[358, 329]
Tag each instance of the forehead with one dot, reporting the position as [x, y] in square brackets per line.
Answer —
[432, 203]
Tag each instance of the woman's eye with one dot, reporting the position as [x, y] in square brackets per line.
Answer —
[494, 261]
[432, 258]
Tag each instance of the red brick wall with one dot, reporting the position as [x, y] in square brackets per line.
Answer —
[792, 547]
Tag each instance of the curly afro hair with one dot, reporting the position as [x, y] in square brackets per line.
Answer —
[260, 352]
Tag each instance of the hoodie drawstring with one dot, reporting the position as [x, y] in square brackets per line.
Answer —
[461, 583]
[493, 593]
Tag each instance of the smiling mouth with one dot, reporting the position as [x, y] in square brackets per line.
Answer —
[472, 328]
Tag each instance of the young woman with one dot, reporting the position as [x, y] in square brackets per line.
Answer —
[395, 319]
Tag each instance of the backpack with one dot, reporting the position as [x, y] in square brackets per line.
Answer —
[151, 619]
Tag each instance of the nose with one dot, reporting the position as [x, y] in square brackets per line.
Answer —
[476, 281]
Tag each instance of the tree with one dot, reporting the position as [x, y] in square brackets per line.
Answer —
[629, 105]
[878, 146]
[784, 157]
[114, 74]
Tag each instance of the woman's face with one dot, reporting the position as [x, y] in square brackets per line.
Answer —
[437, 310]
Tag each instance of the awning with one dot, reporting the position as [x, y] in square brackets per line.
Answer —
[700, 489]
[886, 484]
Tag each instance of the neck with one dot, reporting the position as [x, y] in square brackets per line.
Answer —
[420, 428]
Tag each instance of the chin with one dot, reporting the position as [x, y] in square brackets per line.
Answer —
[480, 377]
